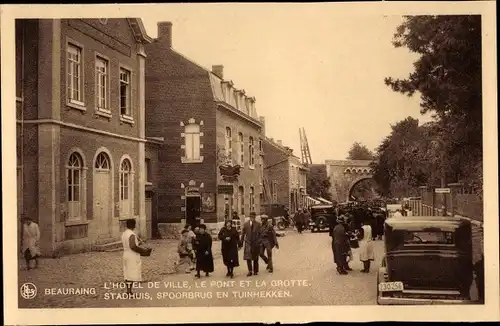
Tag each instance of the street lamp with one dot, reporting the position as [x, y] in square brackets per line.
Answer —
[442, 73]
[443, 170]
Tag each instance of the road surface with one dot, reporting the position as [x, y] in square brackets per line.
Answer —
[304, 275]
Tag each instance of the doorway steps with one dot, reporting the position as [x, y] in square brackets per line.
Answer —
[106, 245]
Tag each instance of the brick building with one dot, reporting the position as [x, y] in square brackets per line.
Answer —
[202, 121]
[284, 176]
[81, 128]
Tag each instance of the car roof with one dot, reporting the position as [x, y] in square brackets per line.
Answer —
[322, 206]
[426, 221]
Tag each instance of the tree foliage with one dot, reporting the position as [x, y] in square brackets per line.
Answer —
[318, 184]
[447, 76]
[359, 151]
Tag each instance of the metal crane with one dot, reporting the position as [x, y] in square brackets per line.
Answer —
[304, 148]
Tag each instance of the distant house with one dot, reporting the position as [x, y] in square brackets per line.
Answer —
[285, 176]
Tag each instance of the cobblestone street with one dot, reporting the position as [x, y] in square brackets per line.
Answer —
[304, 275]
[92, 270]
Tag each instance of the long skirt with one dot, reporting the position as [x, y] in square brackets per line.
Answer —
[230, 256]
[205, 262]
[132, 266]
[366, 250]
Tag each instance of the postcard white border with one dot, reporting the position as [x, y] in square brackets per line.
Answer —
[488, 312]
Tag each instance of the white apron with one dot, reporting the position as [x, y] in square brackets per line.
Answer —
[366, 245]
[31, 236]
[132, 264]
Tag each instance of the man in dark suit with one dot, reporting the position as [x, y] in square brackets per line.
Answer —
[251, 238]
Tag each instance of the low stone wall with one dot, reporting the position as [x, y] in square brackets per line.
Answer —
[173, 230]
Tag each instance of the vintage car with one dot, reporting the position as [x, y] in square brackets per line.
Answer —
[428, 260]
[322, 217]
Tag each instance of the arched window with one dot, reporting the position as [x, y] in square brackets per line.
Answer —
[126, 188]
[102, 162]
[241, 200]
[74, 186]
[192, 141]
[252, 200]
[348, 171]
[241, 154]
[229, 142]
[251, 151]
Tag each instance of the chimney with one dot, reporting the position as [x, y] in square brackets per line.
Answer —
[218, 70]
[165, 33]
[263, 122]
[279, 142]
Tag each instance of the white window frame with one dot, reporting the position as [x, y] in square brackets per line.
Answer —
[251, 152]
[229, 142]
[126, 188]
[275, 192]
[75, 166]
[241, 149]
[128, 115]
[241, 200]
[192, 143]
[102, 104]
[252, 199]
[74, 49]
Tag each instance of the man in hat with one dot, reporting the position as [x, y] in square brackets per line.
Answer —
[30, 239]
[269, 241]
[340, 246]
[251, 238]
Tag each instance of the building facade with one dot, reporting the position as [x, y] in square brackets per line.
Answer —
[284, 176]
[81, 128]
[204, 123]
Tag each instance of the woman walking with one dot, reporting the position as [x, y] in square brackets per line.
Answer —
[366, 254]
[132, 265]
[230, 239]
[203, 249]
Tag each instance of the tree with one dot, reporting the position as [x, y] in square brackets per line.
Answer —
[318, 184]
[359, 151]
[404, 159]
[448, 78]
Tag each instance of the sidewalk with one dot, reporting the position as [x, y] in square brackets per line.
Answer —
[93, 269]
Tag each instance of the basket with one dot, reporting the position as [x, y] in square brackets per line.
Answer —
[146, 252]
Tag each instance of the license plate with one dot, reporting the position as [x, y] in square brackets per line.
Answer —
[390, 287]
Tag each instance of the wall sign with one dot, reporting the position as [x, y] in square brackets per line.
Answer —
[208, 202]
[225, 189]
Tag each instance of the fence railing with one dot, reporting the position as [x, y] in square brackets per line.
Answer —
[467, 205]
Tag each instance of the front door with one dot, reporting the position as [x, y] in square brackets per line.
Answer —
[193, 208]
[102, 196]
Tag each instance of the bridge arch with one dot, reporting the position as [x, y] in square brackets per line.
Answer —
[354, 183]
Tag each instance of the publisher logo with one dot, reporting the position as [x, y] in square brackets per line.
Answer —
[28, 291]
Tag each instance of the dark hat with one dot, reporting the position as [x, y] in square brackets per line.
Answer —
[25, 217]
[252, 214]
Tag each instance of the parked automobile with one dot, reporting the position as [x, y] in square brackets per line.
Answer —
[428, 260]
[322, 217]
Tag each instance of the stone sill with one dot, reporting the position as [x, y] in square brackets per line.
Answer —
[75, 223]
[77, 105]
[103, 113]
[127, 119]
[190, 161]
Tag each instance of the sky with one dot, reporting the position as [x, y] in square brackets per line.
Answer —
[307, 67]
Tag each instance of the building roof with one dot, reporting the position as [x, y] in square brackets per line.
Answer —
[139, 31]
[249, 113]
